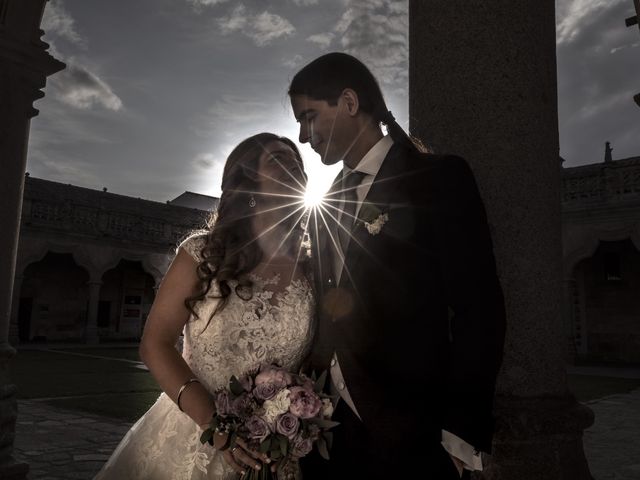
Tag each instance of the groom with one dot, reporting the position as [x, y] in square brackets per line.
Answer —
[411, 314]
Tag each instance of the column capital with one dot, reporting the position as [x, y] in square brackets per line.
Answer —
[24, 59]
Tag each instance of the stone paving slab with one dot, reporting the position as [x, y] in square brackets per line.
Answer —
[612, 444]
[60, 445]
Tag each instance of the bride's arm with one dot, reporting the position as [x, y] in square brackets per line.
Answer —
[165, 322]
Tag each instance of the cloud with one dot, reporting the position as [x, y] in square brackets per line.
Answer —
[321, 39]
[262, 28]
[200, 4]
[293, 62]
[305, 3]
[574, 16]
[80, 88]
[57, 21]
[598, 69]
[633, 45]
[232, 113]
[376, 31]
[205, 161]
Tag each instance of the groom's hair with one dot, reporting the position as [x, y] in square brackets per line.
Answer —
[327, 76]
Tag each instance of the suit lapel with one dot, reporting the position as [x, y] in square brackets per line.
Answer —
[390, 178]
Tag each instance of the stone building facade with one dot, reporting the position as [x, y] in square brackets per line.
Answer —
[601, 239]
[89, 261]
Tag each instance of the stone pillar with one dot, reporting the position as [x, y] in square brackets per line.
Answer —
[14, 329]
[24, 67]
[569, 289]
[91, 331]
[482, 79]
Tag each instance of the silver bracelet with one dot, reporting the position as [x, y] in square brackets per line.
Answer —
[184, 385]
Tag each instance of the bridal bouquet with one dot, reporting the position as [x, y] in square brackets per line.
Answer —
[277, 412]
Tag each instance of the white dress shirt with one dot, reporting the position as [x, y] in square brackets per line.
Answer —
[369, 166]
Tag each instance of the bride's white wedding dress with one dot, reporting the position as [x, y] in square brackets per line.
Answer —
[274, 326]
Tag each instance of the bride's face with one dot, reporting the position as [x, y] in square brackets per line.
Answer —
[279, 169]
[280, 184]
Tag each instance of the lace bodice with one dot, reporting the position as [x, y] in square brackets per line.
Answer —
[274, 326]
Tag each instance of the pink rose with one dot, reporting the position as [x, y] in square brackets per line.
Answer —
[258, 428]
[265, 391]
[287, 425]
[300, 446]
[242, 405]
[304, 381]
[270, 374]
[304, 402]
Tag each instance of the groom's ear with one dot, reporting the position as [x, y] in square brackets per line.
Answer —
[351, 102]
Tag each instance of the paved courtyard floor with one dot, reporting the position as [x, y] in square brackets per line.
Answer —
[63, 443]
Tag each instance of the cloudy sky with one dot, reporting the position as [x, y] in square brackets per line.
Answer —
[157, 92]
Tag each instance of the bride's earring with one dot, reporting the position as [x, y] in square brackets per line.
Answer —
[252, 202]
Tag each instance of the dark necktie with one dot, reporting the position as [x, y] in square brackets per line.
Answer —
[350, 182]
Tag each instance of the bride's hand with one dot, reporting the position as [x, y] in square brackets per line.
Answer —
[242, 456]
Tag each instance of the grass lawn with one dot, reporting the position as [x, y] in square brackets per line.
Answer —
[78, 381]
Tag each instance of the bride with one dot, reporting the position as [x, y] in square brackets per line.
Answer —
[240, 294]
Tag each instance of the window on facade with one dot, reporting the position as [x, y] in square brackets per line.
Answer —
[612, 271]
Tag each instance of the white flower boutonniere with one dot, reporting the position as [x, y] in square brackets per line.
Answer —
[375, 227]
[373, 218]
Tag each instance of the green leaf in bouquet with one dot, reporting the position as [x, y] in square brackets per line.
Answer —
[235, 386]
[323, 450]
[324, 423]
[275, 455]
[207, 436]
[284, 444]
[265, 445]
[320, 382]
[305, 426]
[328, 436]
[214, 422]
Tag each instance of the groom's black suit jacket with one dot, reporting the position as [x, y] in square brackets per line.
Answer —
[418, 318]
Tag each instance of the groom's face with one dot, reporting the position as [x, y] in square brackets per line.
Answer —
[325, 127]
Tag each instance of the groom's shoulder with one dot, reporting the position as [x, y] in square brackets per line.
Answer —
[436, 163]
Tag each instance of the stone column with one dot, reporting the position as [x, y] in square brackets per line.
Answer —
[24, 67]
[569, 285]
[482, 79]
[14, 329]
[91, 331]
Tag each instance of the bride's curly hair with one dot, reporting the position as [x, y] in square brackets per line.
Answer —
[230, 251]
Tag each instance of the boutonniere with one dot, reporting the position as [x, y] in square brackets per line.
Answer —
[373, 218]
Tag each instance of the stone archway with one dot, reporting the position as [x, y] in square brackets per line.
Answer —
[581, 244]
[126, 294]
[607, 309]
[53, 300]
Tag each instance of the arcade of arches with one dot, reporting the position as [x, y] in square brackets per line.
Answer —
[601, 243]
[55, 300]
[89, 262]
[67, 297]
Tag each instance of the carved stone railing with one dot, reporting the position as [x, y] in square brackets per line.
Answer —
[122, 218]
[605, 182]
